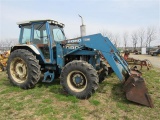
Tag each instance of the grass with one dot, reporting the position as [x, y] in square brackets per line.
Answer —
[48, 101]
[94, 102]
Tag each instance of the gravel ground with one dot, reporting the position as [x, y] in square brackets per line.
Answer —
[155, 60]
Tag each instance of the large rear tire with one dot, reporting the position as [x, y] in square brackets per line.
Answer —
[154, 54]
[23, 69]
[79, 78]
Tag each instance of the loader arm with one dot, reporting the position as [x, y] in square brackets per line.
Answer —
[110, 53]
[134, 85]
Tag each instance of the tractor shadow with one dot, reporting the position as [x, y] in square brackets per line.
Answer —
[6, 83]
[114, 91]
[119, 96]
[47, 84]
[53, 87]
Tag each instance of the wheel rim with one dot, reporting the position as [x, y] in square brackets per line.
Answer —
[18, 70]
[77, 81]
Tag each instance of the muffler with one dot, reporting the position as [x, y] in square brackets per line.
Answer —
[136, 91]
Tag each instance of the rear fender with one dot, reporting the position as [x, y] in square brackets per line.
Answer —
[25, 46]
[30, 48]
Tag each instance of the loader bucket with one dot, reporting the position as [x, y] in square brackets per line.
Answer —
[136, 91]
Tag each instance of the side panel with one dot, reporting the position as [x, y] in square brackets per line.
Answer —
[60, 56]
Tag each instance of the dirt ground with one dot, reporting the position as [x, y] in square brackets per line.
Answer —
[155, 60]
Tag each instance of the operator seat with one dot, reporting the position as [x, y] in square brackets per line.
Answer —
[37, 41]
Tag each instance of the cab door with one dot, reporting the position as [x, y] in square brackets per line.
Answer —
[41, 40]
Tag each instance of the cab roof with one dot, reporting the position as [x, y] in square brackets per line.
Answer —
[44, 20]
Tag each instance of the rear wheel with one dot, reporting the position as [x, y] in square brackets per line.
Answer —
[23, 69]
[79, 78]
[154, 54]
[103, 72]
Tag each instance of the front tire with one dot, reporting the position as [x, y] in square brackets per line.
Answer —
[23, 69]
[79, 78]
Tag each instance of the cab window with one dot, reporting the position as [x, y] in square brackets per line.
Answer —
[40, 34]
[26, 34]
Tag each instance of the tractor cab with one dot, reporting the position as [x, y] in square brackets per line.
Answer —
[43, 36]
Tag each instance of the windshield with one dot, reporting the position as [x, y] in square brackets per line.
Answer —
[57, 33]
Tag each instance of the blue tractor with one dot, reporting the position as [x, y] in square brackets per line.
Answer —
[44, 49]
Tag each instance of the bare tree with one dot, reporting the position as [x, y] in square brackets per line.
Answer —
[107, 33]
[141, 36]
[7, 43]
[134, 39]
[151, 35]
[116, 40]
[125, 39]
[1, 43]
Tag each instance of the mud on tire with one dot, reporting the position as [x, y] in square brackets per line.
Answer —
[79, 78]
[23, 69]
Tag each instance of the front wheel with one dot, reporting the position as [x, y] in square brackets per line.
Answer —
[79, 78]
[23, 69]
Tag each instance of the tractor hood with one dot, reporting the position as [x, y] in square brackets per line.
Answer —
[72, 43]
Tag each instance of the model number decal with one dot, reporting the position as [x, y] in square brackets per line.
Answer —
[86, 39]
[72, 47]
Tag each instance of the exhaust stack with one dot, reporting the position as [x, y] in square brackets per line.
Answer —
[82, 28]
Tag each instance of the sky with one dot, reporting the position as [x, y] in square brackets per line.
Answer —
[117, 16]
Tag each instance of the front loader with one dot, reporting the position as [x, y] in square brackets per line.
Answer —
[44, 49]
